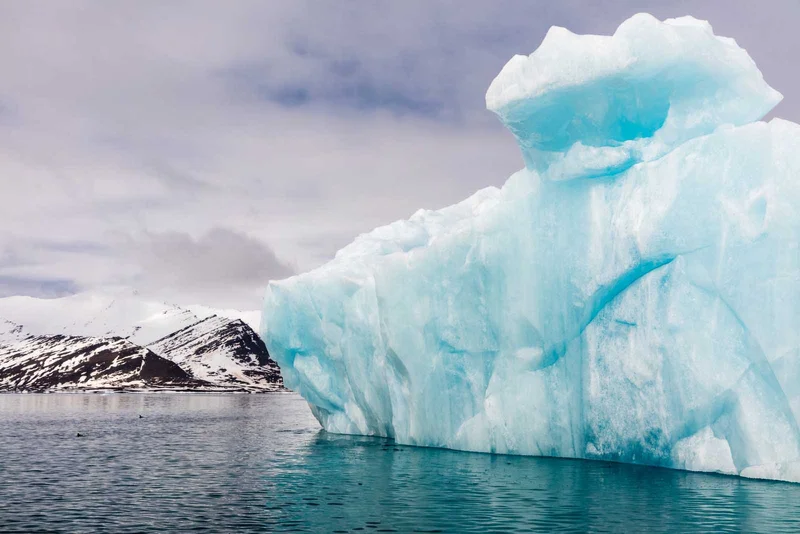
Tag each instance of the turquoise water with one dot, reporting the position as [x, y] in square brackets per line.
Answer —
[259, 463]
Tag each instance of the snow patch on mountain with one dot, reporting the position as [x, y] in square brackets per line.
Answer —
[11, 332]
[251, 318]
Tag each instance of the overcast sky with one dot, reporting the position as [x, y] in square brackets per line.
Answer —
[194, 150]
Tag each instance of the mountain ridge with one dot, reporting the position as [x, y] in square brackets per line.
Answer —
[220, 347]
[60, 362]
[86, 332]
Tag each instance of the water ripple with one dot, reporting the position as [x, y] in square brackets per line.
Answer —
[257, 463]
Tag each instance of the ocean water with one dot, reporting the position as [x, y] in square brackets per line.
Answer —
[259, 463]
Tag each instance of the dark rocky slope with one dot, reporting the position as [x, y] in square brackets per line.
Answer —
[61, 362]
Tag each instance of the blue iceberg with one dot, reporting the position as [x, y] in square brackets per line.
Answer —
[632, 294]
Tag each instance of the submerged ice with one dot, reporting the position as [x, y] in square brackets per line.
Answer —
[632, 294]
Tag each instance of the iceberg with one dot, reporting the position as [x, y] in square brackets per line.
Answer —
[632, 294]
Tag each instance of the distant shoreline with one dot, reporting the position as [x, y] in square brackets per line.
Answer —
[107, 391]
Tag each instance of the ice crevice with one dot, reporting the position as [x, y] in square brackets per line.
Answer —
[631, 294]
[599, 300]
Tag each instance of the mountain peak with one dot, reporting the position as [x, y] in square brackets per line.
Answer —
[221, 350]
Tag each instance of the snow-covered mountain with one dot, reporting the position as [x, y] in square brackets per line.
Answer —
[251, 318]
[76, 362]
[221, 350]
[97, 315]
[94, 341]
[10, 332]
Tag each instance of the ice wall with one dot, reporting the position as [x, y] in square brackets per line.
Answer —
[633, 294]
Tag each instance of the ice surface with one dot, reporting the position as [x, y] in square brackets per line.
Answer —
[589, 105]
[633, 294]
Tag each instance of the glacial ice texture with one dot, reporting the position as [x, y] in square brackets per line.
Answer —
[632, 294]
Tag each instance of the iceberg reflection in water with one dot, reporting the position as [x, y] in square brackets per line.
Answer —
[258, 463]
[346, 483]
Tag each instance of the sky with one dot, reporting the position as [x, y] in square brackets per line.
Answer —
[194, 150]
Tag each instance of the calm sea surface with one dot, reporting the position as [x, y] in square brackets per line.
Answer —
[259, 463]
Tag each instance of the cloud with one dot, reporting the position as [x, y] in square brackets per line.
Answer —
[221, 262]
[281, 129]
[220, 256]
[41, 288]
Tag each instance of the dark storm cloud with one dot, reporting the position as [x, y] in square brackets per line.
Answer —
[218, 257]
[293, 125]
[224, 263]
